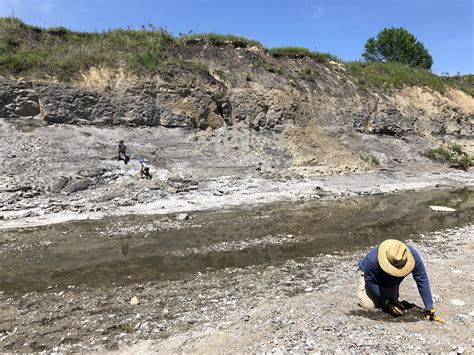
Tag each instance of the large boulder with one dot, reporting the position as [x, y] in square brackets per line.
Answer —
[169, 118]
[27, 108]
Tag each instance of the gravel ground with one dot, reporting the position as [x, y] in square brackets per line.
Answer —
[301, 305]
[310, 305]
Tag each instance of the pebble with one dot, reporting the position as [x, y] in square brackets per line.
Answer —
[458, 302]
[182, 216]
[461, 318]
[458, 349]
[134, 301]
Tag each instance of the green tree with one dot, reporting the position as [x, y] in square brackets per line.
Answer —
[397, 45]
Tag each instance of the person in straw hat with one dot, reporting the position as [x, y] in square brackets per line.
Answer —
[382, 271]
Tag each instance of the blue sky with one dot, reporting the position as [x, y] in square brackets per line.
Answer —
[340, 27]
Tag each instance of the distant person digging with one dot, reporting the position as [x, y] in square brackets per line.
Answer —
[122, 152]
[380, 275]
[144, 170]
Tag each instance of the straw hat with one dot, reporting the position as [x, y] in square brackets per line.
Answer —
[395, 258]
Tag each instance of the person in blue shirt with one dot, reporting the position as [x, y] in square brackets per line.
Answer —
[382, 271]
[144, 170]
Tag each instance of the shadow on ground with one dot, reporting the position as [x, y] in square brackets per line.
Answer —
[411, 316]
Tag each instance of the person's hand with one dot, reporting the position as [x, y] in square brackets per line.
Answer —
[431, 316]
[394, 308]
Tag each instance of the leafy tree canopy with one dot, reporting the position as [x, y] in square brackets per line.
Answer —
[397, 45]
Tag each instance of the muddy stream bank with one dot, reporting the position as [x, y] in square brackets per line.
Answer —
[120, 251]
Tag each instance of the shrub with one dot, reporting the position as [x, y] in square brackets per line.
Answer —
[371, 159]
[452, 154]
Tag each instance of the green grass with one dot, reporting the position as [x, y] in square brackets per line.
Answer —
[393, 75]
[300, 52]
[221, 39]
[453, 155]
[371, 159]
[58, 52]
[463, 82]
[62, 53]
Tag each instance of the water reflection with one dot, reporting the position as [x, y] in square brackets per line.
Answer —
[124, 247]
[234, 239]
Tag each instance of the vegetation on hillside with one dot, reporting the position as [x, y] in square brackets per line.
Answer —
[397, 45]
[394, 75]
[220, 39]
[58, 52]
[453, 155]
[463, 82]
[300, 52]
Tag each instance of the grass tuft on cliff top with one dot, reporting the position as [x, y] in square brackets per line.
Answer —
[301, 52]
[221, 39]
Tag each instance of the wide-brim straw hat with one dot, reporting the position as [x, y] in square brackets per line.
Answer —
[395, 258]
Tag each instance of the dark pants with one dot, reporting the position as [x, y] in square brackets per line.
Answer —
[146, 173]
[124, 157]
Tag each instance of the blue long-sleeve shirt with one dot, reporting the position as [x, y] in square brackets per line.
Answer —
[376, 278]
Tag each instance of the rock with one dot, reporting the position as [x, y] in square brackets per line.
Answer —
[456, 271]
[459, 349]
[310, 344]
[134, 301]
[461, 318]
[160, 327]
[442, 209]
[80, 185]
[59, 184]
[23, 188]
[458, 302]
[27, 108]
[182, 216]
[169, 118]
[388, 121]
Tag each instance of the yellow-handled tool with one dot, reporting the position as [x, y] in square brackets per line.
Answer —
[429, 314]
